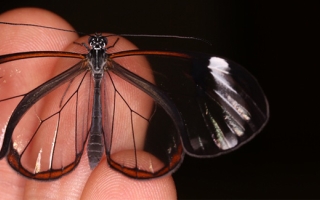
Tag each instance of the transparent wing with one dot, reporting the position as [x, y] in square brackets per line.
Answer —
[141, 135]
[154, 105]
[46, 126]
[232, 106]
[218, 105]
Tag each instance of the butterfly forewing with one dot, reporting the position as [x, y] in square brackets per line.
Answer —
[221, 104]
[16, 79]
[51, 133]
[141, 138]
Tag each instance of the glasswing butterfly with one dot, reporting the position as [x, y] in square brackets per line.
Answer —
[142, 109]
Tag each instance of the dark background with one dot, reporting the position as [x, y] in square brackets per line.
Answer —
[277, 42]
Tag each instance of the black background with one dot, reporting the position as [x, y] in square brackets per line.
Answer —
[277, 42]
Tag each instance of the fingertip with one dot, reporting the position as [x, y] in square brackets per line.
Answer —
[35, 16]
[106, 183]
[27, 38]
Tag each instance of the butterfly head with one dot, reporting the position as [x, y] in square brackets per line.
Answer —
[97, 41]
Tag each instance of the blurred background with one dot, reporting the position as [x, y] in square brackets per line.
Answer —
[277, 42]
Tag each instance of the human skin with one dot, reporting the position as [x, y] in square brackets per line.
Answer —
[82, 183]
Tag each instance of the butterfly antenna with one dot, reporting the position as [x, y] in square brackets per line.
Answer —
[41, 26]
[163, 36]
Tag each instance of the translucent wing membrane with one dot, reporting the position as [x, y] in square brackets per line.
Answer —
[142, 113]
[153, 147]
[221, 104]
[48, 127]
